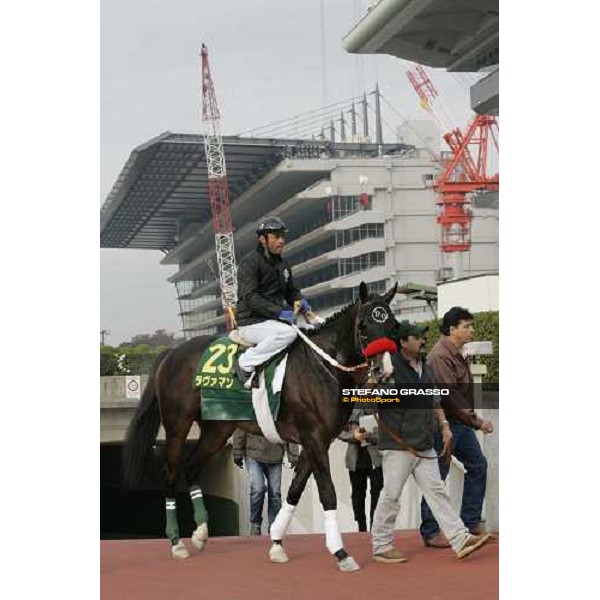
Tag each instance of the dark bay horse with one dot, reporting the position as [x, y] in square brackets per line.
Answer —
[311, 414]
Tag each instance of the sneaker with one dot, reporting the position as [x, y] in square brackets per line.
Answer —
[391, 556]
[479, 529]
[255, 529]
[473, 543]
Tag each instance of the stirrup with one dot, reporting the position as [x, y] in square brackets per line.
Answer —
[250, 382]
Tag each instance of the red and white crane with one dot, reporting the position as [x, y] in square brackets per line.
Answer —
[467, 171]
[218, 189]
[429, 97]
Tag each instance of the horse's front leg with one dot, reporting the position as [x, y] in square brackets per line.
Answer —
[286, 512]
[327, 495]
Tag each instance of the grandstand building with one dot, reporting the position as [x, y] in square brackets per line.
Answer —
[356, 212]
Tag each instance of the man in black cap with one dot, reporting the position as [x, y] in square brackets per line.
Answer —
[266, 298]
[406, 443]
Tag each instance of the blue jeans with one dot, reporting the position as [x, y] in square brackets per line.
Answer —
[466, 448]
[259, 472]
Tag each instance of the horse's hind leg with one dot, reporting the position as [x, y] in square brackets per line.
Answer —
[174, 446]
[213, 435]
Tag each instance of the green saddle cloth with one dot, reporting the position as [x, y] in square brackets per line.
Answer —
[223, 397]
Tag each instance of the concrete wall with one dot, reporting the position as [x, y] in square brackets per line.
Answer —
[478, 294]
[222, 478]
[116, 409]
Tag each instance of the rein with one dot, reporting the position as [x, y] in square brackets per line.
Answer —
[326, 357]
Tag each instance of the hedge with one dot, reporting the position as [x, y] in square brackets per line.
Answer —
[137, 360]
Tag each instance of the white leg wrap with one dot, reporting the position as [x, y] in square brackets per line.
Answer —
[282, 521]
[333, 538]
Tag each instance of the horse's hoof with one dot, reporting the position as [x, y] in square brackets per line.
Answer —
[277, 554]
[198, 544]
[348, 564]
[200, 537]
[179, 550]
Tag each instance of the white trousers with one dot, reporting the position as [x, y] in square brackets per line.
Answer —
[270, 338]
[397, 467]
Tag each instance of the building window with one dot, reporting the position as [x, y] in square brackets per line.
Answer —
[355, 234]
[342, 206]
[345, 296]
[312, 251]
[361, 262]
[323, 274]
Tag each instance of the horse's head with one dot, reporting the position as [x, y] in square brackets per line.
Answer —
[376, 327]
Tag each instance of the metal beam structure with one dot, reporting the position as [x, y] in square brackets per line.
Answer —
[462, 35]
[162, 195]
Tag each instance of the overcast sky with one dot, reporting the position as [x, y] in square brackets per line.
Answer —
[267, 64]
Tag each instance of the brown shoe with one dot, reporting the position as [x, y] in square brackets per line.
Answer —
[473, 543]
[437, 541]
[391, 556]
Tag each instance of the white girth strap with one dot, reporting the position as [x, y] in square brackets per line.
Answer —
[260, 402]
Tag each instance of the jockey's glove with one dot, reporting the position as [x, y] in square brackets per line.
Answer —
[304, 305]
[286, 315]
[239, 461]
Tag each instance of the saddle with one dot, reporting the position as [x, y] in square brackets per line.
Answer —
[223, 395]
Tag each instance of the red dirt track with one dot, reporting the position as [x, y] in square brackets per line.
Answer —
[238, 568]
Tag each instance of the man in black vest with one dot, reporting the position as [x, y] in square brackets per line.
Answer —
[406, 443]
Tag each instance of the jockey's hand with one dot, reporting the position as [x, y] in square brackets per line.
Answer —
[304, 305]
[286, 315]
[239, 461]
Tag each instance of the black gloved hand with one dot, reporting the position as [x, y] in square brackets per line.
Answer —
[239, 461]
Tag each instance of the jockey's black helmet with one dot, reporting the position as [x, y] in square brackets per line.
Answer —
[271, 225]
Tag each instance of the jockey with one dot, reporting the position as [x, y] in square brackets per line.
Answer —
[265, 286]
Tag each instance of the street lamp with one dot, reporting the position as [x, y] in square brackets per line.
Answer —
[103, 334]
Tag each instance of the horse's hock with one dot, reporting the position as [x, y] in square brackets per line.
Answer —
[141, 513]
[224, 480]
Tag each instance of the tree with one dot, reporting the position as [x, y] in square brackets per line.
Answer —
[159, 338]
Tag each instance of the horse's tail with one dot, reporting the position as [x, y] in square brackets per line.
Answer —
[142, 431]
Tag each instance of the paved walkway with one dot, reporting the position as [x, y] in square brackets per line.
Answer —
[237, 568]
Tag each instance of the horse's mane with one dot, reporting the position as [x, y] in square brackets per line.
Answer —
[339, 313]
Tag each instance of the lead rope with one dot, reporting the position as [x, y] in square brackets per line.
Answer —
[446, 451]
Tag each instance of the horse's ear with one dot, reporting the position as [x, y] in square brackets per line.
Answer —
[363, 292]
[389, 296]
